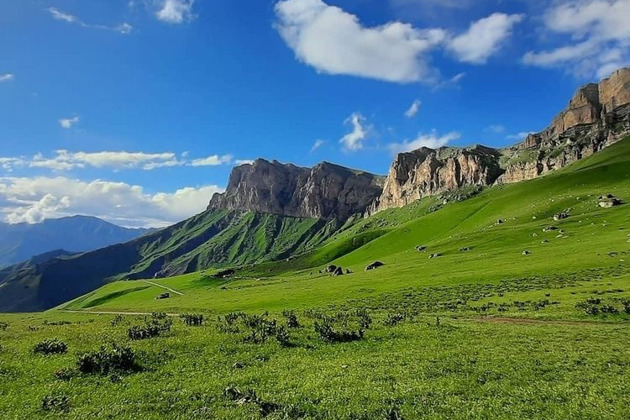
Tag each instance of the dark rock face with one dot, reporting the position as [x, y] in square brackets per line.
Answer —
[325, 191]
[597, 116]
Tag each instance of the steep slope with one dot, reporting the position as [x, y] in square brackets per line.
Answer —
[76, 234]
[597, 116]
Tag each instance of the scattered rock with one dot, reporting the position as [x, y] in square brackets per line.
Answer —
[500, 221]
[464, 249]
[526, 252]
[331, 269]
[432, 256]
[549, 228]
[163, 296]
[374, 266]
[609, 201]
[237, 365]
[560, 216]
[225, 273]
[421, 248]
[338, 272]
[545, 241]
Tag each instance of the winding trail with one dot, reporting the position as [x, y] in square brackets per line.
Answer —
[164, 287]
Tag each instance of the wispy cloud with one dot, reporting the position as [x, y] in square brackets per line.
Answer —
[432, 140]
[175, 11]
[495, 128]
[64, 160]
[413, 109]
[122, 28]
[318, 144]
[598, 36]
[6, 77]
[67, 123]
[518, 136]
[353, 141]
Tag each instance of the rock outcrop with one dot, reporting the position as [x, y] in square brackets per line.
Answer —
[597, 116]
[325, 191]
[425, 172]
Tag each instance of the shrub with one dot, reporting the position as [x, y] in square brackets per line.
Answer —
[626, 306]
[394, 319]
[56, 402]
[64, 374]
[260, 328]
[158, 324]
[51, 347]
[329, 334]
[609, 309]
[3, 326]
[283, 337]
[292, 321]
[192, 320]
[117, 320]
[106, 360]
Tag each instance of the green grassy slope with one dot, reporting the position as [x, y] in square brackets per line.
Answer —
[591, 237]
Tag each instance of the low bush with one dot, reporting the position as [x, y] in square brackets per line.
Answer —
[106, 360]
[56, 403]
[292, 320]
[192, 320]
[394, 319]
[158, 324]
[51, 347]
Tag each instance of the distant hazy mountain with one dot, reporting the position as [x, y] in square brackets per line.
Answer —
[23, 241]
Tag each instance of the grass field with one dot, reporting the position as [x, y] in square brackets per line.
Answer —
[484, 331]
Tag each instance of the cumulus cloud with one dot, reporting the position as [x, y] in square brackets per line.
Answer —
[123, 28]
[318, 144]
[6, 77]
[413, 109]
[598, 37]
[32, 200]
[353, 141]
[432, 141]
[335, 42]
[67, 123]
[175, 11]
[484, 38]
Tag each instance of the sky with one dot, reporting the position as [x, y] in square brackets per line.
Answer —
[137, 111]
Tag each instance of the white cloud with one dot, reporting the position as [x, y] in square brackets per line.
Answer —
[495, 128]
[213, 160]
[598, 37]
[240, 162]
[6, 77]
[318, 144]
[484, 38]
[353, 141]
[432, 141]
[335, 42]
[175, 11]
[518, 136]
[34, 199]
[68, 122]
[64, 160]
[413, 109]
[123, 28]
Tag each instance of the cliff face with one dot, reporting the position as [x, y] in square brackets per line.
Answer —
[597, 116]
[325, 191]
[425, 172]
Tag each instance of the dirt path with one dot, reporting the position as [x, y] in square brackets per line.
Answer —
[110, 312]
[164, 287]
[531, 321]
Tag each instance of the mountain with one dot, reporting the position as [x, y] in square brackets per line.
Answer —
[597, 116]
[325, 191]
[284, 214]
[75, 234]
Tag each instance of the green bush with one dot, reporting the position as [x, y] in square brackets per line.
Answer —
[56, 403]
[106, 360]
[192, 320]
[51, 347]
[155, 326]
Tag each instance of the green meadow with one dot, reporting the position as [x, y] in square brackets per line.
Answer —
[516, 316]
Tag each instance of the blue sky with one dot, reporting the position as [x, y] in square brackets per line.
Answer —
[136, 111]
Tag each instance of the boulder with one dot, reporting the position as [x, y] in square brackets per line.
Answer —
[374, 266]
[338, 272]
[560, 216]
[331, 268]
[421, 248]
[526, 252]
[609, 201]
[432, 256]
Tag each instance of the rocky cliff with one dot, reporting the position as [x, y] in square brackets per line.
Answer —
[425, 172]
[325, 191]
[597, 116]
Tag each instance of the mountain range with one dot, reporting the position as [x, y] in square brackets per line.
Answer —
[272, 211]
[23, 241]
